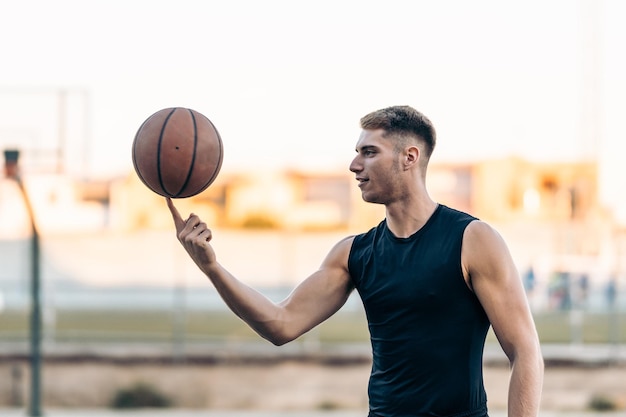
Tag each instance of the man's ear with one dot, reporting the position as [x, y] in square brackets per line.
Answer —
[411, 156]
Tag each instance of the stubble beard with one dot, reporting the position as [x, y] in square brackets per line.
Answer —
[386, 194]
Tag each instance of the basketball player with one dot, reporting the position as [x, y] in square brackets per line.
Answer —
[432, 280]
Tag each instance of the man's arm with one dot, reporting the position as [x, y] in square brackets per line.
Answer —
[314, 300]
[492, 275]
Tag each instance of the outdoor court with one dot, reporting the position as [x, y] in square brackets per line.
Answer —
[213, 413]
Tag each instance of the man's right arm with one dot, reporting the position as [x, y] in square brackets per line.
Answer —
[314, 300]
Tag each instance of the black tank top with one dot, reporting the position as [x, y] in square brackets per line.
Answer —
[427, 329]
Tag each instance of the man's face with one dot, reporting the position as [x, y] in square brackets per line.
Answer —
[377, 167]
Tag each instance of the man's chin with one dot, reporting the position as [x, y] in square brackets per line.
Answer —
[370, 199]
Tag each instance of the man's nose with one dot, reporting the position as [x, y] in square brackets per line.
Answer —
[355, 165]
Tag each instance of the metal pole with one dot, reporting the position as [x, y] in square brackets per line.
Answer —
[35, 313]
[11, 158]
[62, 97]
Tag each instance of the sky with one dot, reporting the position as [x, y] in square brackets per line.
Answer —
[286, 82]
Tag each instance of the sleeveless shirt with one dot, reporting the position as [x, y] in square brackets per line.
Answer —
[427, 328]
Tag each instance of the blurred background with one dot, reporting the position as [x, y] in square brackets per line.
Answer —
[527, 98]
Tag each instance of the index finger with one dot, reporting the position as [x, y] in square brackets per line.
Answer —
[178, 220]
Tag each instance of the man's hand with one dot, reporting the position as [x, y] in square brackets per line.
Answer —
[195, 236]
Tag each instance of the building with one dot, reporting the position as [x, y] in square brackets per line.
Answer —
[549, 213]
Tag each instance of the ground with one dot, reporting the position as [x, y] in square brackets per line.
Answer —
[279, 385]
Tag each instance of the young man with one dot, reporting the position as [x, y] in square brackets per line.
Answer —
[432, 280]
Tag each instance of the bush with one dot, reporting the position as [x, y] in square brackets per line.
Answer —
[259, 221]
[602, 403]
[140, 395]
[327, 405]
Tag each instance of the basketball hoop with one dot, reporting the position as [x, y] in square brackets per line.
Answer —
[11, 168]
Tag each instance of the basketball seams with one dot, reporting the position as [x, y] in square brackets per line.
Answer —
[138, 143]
[135, 142]
[193, 155]
[218, 167]
[159, 146]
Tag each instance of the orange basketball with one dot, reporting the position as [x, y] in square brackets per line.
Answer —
[177, 152]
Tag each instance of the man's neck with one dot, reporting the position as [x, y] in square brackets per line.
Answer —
[403, 220]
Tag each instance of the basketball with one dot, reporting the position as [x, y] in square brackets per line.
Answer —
[177, 152]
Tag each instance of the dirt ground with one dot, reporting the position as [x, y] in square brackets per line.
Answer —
[288, 385]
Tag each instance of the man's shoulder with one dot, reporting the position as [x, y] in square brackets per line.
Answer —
[481, 234]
